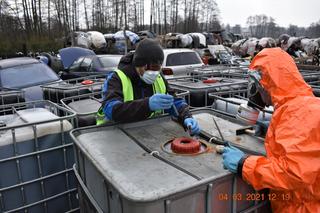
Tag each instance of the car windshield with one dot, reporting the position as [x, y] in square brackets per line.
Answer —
[26, 75]
[108, 61]
[182, 58]
[76, 64]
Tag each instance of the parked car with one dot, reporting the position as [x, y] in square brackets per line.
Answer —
[178, 61]
[26, 74]
[79, 62]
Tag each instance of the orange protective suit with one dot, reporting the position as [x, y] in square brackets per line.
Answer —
[291, 169]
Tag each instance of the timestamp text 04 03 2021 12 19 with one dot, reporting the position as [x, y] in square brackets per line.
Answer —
[254, 196]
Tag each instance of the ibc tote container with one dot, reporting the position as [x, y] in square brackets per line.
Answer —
[129, 168]
[36, 158]
[200, 86]
[56, 91]
[85, 106]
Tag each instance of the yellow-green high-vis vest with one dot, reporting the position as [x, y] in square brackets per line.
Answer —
[127, 90]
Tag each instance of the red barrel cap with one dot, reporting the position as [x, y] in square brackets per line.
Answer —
[185, 145]
[210, 81]
[87, 82]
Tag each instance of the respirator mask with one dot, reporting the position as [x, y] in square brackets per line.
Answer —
[149, 76]
[151, 73]
[258, 97]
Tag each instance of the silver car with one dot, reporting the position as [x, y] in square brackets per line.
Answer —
[177, 61]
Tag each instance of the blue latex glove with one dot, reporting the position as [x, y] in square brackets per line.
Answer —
[261, 128]
[193, 125]
[231, 157]
[160, 102]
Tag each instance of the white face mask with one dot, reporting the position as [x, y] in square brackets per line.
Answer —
[150, 76]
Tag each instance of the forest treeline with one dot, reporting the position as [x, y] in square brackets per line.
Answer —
[41, 25]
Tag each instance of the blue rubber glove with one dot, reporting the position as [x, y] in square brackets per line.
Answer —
[231, 157]
[261, 128]
[160, 102]
[193, 125]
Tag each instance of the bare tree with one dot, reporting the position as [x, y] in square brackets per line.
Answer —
[86, 13]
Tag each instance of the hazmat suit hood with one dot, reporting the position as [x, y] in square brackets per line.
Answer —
[280, 76]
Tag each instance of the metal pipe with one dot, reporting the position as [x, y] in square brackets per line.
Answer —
[220, 133]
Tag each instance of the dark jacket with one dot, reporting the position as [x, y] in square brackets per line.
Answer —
[138, 109]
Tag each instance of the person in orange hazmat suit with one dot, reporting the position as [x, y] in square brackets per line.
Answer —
[291, 168]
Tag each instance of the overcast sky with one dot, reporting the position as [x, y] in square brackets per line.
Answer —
[285, 12]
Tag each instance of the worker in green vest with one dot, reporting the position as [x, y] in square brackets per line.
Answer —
[137, 90]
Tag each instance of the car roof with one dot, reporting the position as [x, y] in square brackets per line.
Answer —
[12, 62]
[177, 50]
[107, 55]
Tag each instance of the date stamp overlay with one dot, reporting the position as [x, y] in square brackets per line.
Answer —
[254, 197]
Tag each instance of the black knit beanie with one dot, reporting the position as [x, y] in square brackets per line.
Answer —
[148, 51]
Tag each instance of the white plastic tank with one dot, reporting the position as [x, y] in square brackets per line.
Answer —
[97, 39]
